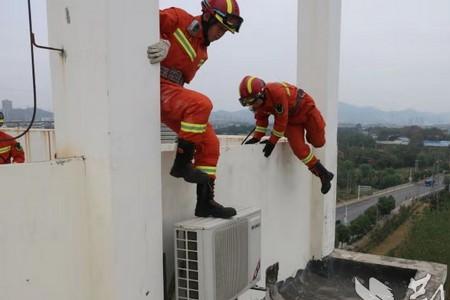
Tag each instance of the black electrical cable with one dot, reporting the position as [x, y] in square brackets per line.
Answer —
[32, 44]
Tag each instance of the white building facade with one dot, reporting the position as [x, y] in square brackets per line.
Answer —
[94, 223]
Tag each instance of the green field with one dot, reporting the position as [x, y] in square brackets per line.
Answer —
[429, 237]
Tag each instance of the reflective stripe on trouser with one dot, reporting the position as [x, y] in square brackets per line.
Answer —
[261, 129]
[192, 127]
[208, 152]
[277, 133]
[309, 158]
[210, 170]
[179, 105]
[296, 137]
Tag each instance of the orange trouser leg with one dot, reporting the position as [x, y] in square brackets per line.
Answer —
[315, 129]
[296, 137]
[208, 151]
[188, 108]
[186, 112]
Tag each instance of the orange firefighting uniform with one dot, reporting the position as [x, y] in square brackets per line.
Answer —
[10, 150]
[185, 111]
[291, 120]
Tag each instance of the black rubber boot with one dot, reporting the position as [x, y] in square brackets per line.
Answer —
[325, 176]
[206, 206]
[183, 167]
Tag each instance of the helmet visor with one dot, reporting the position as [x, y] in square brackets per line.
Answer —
[231, 22]
[247, 101]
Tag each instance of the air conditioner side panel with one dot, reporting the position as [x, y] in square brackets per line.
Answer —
[254, 245]
[209, 277]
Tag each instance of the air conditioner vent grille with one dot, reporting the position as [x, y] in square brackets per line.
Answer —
[231, 260]
[187, 265]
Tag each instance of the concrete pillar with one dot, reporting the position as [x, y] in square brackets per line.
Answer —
[106, 103]
[318, 73]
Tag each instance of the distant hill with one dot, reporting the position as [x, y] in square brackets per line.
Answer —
[349, 114]
[369, 115]
[224, 118]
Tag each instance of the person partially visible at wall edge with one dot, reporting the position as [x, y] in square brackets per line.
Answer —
[10, 151]
[296, 117]
[182, 50]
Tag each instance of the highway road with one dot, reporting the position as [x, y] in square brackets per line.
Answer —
[401, 194]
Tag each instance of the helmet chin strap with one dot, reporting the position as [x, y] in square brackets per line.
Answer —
[206, 25]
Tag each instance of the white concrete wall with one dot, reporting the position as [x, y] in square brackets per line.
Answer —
[38, 144]
[106, 103]
[318, 73]
[44, 238]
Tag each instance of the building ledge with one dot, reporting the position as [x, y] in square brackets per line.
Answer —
[338, 275]
[226, 141]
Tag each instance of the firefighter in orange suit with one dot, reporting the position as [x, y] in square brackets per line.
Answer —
[10, 150]
[182, 50]
[296, 117]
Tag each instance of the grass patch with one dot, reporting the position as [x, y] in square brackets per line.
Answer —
[429, 237]
[380, 233]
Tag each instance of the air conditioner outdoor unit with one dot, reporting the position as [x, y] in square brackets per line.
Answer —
[217, 259]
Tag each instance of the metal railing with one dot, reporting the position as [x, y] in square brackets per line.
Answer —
[38, 144]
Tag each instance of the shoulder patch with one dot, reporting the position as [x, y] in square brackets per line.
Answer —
[278, 108]
[194, 28]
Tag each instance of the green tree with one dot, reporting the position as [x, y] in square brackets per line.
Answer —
[346, 175]
[342, 233]
[385, 205]
[372, 214]
[360, 225]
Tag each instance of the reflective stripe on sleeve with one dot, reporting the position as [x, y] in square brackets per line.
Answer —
[287, 88]
[184, 42]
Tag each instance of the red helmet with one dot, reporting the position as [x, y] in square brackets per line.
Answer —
[250, 90]
[225, 12]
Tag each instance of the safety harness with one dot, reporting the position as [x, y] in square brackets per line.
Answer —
[298, 101]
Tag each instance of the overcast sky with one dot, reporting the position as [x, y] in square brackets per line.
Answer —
[15, 60]
[395, 53]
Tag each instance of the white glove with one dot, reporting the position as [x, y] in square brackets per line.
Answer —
[158, 52]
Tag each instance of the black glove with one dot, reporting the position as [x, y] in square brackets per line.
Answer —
[252, 141]
[268, 148]
[264, 142]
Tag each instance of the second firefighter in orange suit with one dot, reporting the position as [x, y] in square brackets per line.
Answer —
[296, 117]
[10, 149]
[182, 50]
